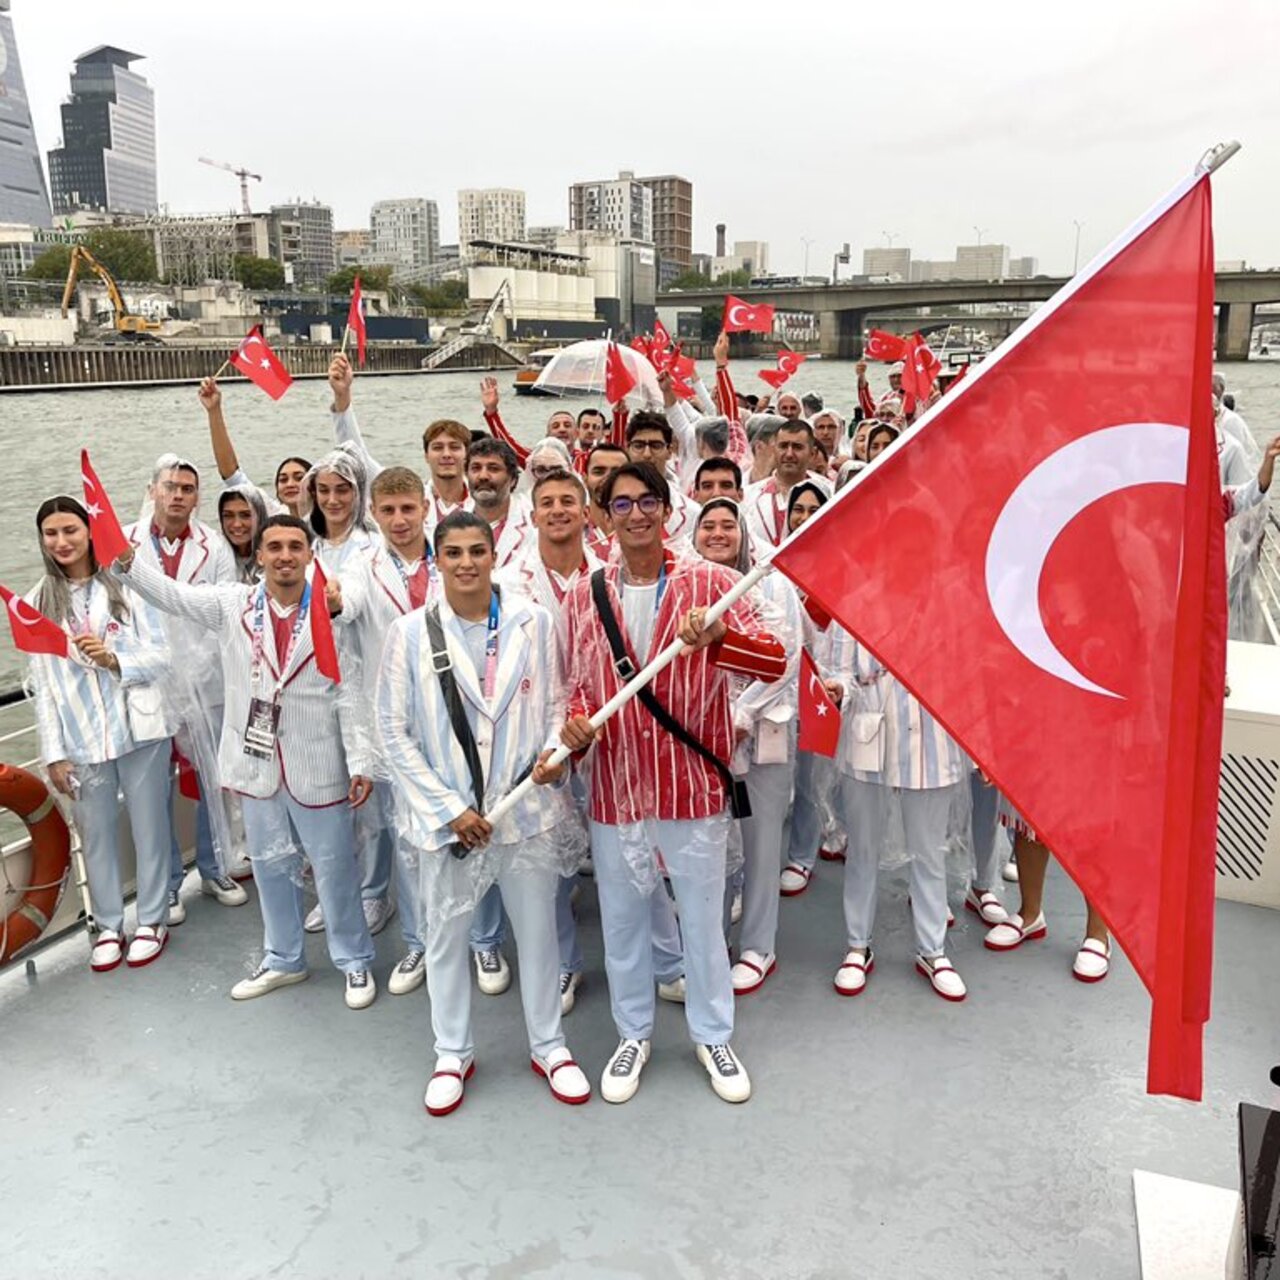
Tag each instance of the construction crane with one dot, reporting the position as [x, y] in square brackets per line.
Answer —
[243, 174]
[125, 321]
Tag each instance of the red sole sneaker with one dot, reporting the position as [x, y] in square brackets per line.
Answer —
[555, 1093]
[151, 959]
[928, 977]
[758, 983]
[453, 1106]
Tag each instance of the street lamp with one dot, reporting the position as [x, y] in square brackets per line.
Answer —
[889, 237]
[1075, 264]
[982, 231]
[806, 241]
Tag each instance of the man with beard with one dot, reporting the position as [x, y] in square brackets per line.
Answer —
[492, 475]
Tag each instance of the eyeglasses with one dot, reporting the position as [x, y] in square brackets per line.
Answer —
[648, 503]
[647, 446]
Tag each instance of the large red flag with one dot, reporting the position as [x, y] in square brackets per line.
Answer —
[819, 715]
[788, 363]
[618, 379]
[920, 368]
[883, 346]
[261, 365]
[745, 317]
[1063, 610]
[104, 527]
[355, 320]
[322, 642]
[32, 631]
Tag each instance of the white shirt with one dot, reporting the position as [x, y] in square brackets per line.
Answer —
[639, 608]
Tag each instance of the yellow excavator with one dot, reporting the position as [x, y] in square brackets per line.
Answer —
[126, 321]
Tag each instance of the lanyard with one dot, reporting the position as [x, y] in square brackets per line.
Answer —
[491, 649]
[74, 623]
[405, 576]
[662, 587]
[778, 515]
[300, 618]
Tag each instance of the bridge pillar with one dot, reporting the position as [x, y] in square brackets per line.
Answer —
[1235, 330]
[840, 334]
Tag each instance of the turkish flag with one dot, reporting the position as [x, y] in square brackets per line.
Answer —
[618, 379]
[644, 345]
[788, 363]
[32, 631]
[1063, 611]
[355, 321]
[920, 367]
[661, 338]
[819, 715]
[322, 642]
[743, 317]
[260, 364]
[883, 346]
[105, 532]
[684, 366]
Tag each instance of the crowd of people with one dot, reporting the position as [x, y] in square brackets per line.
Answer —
[481, 617]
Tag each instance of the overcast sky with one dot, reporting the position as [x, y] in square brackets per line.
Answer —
[831, 121]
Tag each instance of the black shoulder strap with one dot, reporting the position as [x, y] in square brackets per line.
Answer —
[735, 788]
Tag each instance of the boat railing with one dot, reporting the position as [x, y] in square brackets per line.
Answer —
[1269, 576]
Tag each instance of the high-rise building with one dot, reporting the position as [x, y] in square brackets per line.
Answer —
[982, 261]
[1023, 268]
[24, 198]
[107, 159]
[748, 255]
[923, 269]
[353, 248]
[545, 236]
[406, 234]
[302, 237]
[882, 261]
[672, 223]
[490, 213]
[622, 205]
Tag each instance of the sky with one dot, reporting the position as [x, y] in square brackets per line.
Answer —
[830, 122]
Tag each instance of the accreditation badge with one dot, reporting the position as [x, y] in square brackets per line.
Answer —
[261, 731]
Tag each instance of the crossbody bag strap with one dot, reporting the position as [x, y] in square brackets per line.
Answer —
[735, 788]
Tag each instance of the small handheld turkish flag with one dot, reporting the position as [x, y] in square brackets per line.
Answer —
[32, 631]
[661, 338]
[260, 364]
[322, 643]
[742, 317]
[884, 346]
[920, 368]
[618, 379]
[819, 715]
[105, 532]
[355, 320]
[788, 363]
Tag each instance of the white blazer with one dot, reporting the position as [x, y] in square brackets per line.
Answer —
[527, 576]
[433, 784]
[517, 532]
[323, 737]
[764, 508]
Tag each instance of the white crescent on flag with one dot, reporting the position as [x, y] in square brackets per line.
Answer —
[738, 314]
[818, 692]
[16, 605]
[1046, 501]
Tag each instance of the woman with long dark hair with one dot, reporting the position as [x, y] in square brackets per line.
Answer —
[104, 728]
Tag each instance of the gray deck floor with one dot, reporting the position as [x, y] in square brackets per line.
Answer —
[156, 1129]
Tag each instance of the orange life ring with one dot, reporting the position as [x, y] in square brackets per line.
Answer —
[27, 796]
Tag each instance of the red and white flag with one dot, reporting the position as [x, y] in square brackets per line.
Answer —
[1063, 611]
[661, 338]
[819, 715]
[883, 346]
[104, 526]
[322, 642]
[355, 320]
[32, 631]
[788, 363]
[744, 317]
[618, 379]
[920, 368]
[261, 365]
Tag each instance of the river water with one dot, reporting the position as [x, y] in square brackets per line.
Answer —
[124, 430]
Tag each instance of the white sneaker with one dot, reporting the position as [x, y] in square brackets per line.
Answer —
[735, 911]
[1010, 871]
[447, 1084]
[241, 870]
[568, 1083]
[177, 912]
[492, 972]
[362, 990]
[942, 976]
[985, 905]
[750, 972]
[227, 892]
[149, 941]
[728, 1076]
[1014, 932]
[851, 977]
[1092, 962]
[673, 991]
[377, 912]
[314, 923]
[621, 1076]
[263, 980]
[107, 951]
[794, 880]
[409, 974]
[569, 984]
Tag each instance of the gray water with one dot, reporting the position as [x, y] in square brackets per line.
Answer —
[124, 430]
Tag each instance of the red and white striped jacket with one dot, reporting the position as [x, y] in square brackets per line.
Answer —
[638, 770]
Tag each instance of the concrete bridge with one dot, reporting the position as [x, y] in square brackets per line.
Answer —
[842, 309]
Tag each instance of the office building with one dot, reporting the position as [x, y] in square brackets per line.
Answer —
[490, 213]
[406, 234]
[544, 236]
[672, 223]
[353, 248]
[881, 261]
[982, 262]
[622, 205]
[24, 198]
[107, 159]
[1025, 268]
[624, 276]
[751, 256]
[923, 269]
[302, 239]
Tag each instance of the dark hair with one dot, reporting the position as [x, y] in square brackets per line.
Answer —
[460, 522]
[605, 446]
[591, 413]
[805, 486]
[488, 447]
[798, 424]
[719, 463]
[879, 429]
[54, 596]
[61, 504]
[559, 475]
[285, 521]
[284, 462]
[645, 421]
[648, 475]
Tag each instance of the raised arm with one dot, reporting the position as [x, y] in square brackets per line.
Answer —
[224, 452]
[493, 419]
[204, 604]
[346, 430]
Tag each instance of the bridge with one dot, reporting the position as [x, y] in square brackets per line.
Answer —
[842, 309]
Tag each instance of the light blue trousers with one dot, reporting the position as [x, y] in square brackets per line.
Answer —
[764, 836]
[380, 858]
[813, 784]
[990, 840]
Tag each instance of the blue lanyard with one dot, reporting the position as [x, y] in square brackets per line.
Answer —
[299, 620]
[662, 587]
[491, 648]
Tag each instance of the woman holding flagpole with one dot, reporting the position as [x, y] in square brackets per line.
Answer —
[104, 728]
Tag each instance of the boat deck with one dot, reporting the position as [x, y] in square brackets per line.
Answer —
[156, 1129]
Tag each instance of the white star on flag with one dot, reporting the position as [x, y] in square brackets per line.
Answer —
[264, 363]
[94, 510]
[821, 708]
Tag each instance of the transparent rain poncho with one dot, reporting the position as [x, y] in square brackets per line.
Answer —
[1244, 537]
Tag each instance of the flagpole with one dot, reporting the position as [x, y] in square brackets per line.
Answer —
[346, 333]
[226, 364]
[608, 338]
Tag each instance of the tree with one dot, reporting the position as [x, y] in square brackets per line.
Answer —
[690, 280]
[696, 280]
[128, 255]
[448, 295]
[377, 279]
[258, 273]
